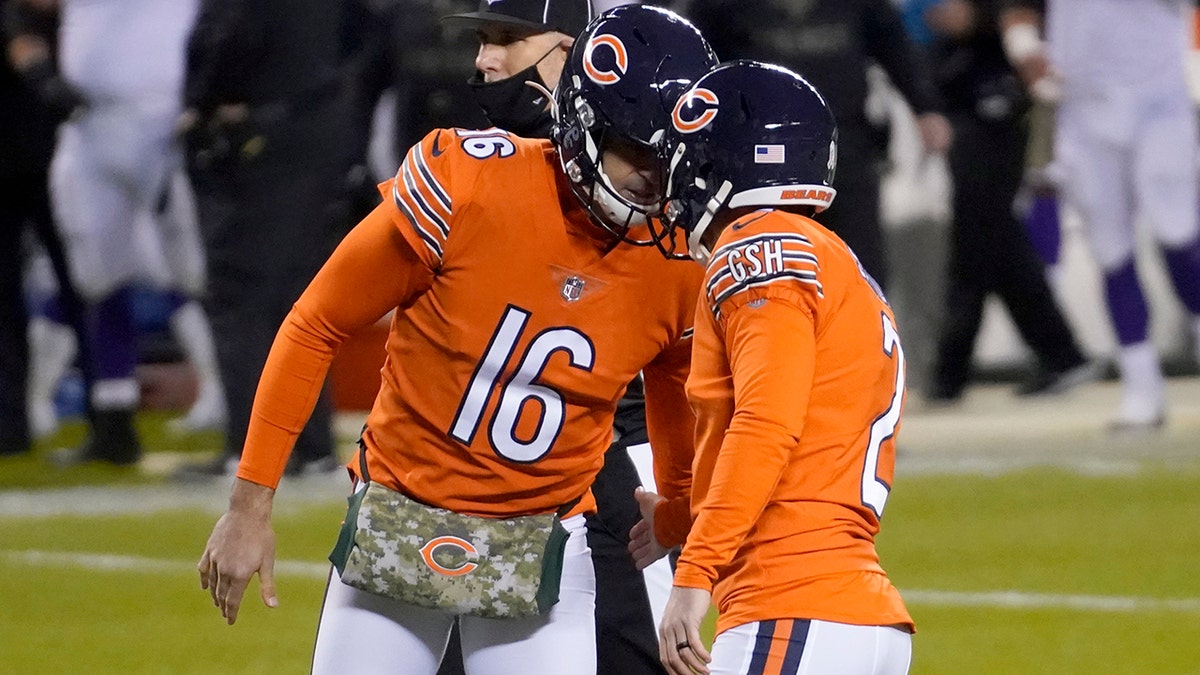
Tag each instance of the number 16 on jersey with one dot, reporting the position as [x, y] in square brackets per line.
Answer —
[520, 388]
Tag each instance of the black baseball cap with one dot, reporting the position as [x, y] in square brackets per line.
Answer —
[564, 16]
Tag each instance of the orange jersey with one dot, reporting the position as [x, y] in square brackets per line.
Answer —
[517, 328]
[797, 383]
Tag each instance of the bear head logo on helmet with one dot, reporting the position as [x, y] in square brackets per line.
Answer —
[618, 88]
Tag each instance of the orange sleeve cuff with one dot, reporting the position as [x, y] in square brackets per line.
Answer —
[690, 576]
[672, 521]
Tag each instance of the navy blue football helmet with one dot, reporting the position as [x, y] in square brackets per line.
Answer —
[619, 85]
[745, 134]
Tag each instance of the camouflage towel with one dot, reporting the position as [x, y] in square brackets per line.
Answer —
[393, 546]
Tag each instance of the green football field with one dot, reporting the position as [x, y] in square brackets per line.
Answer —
[1023, 540]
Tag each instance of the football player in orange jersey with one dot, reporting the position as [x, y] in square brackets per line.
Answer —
[797, 383]
[522, 311]
[523, 45]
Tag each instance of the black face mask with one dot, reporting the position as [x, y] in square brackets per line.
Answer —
[513, 105]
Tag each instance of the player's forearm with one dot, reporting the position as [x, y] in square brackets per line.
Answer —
[772, 361]
[251, 499]
[372, 271]
[744, 479]
[670, 423]
[287, 392]
[673, 521]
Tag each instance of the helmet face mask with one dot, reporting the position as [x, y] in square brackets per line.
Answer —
[745, 135]
[614, 99]
[593, 182]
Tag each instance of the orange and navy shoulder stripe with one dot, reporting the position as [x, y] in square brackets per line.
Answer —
[778, 647]
[423, 201]
[758, 260]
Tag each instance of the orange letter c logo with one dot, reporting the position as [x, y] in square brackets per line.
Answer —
[428, 549]
[621, 55]
[708, 110]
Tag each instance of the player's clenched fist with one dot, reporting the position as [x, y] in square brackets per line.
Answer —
[242, 543]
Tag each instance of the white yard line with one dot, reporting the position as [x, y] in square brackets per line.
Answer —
[213, 496]
[1019, 600]
[1109, 604]
[101, 562]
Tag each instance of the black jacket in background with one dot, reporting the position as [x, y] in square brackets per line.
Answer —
[26, 126]
[973, 74]
[283, 59]
[403, 45]
[828, 42]
[262, 51]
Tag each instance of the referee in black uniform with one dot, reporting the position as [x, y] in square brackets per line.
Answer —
[269, 150]
[831, 43]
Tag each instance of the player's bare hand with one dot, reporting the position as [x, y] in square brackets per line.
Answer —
[679, 645]
[936, 133]
[1034, 68]
[241, 544]
[186, 122]
[643, 545]
[952, 18]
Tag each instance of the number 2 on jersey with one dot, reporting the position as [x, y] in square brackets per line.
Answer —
[520, 388]
[875, 491]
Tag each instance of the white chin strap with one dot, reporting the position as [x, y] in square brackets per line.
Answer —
[696, 249]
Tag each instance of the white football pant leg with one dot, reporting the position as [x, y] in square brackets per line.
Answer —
[1095, 167]
[94, 209]
[827, 647]
[1164, 172]
[361, 632]
[189, 325]
[180, 236]
[52, 348]
[564, 642]
[1143, 389]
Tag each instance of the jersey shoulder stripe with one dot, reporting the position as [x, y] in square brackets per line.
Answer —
[759, 260]
[423, 200]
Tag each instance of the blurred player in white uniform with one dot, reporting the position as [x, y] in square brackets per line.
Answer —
[1125, 150]
[114, 160]
[170, 260]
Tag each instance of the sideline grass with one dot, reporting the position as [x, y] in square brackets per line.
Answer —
[1036, 532]
[124, 621]
[36, 470]
[1049, 532]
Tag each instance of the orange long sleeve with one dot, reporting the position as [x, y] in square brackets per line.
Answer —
[771, 354]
